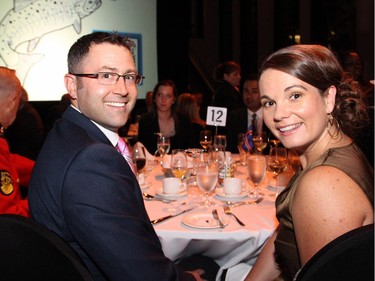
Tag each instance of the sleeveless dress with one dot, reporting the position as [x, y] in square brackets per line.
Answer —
[348, 159]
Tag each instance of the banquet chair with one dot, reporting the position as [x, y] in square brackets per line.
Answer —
[348, 257]
[30, 251]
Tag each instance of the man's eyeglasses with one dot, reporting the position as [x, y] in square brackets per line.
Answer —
[111, 78]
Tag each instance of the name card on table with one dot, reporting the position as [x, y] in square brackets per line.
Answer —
[216, 116]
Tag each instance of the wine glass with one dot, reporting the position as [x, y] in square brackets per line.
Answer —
[179, 163]
[139, 158]
[256, 170]
[207, 178]
[205, 139]
[273, 141]
[196, 154]
[163, 145]
[220, 141]
[241, 150]
[277, 162]
[293, 161]
[260, 142]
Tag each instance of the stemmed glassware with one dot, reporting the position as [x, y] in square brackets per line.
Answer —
[241, 150]
[207, 178]
[163, 145]
[220, 142]
[256, 169]
[260, 142]
[139, 158]
[205, 139]
[179, 163]
[293, 161]
[277, 162]
[273, 141]
[196, 154]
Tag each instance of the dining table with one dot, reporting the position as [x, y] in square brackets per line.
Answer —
[197, 231]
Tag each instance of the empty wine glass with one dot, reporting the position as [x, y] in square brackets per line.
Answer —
[179, 163]
[220, 141]
[196, 154]
[256, 170]
[207, 178]
[205, 139]
[163, 145]
[277, 162]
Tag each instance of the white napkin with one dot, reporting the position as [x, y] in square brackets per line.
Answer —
[149, 156]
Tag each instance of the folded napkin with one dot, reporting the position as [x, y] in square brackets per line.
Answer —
[149, 156]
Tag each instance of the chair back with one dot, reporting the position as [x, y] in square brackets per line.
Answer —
[349, 257]
[30, 251]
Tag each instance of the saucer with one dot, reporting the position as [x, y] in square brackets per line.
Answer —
[222, 196]
[159, 193]
[203, 220]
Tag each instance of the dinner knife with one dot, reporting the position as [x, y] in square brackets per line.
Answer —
[170, 216]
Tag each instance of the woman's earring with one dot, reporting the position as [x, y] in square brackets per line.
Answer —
[332, 122]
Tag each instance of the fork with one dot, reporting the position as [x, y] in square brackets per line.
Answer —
[228, 211]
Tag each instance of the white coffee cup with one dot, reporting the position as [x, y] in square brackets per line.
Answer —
[171, 186]
[232, 186]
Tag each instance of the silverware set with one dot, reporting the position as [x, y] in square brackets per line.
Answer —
[226, 208]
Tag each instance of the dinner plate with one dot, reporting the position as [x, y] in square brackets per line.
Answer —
[222, 196]
[203, 220]
[159, 193]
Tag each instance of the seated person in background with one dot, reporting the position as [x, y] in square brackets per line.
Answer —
[26, 134]
[240, 119]
[15, 170]
[187, 107]
[83, 187]
[304, 95]
[202, 104]
[165, 120]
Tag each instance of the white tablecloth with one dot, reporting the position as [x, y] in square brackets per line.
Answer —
[229, 246]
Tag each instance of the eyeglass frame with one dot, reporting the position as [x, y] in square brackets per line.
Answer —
[96, 76]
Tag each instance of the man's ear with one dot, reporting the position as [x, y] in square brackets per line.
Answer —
[71, 85]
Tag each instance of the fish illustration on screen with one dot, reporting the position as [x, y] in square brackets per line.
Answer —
[30, 20]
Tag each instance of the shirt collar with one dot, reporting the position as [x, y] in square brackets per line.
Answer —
[112, 136]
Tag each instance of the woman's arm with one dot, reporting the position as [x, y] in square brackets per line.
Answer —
[265, 267]
[327, 204]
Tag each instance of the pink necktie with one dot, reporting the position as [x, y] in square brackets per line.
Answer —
[124, 150]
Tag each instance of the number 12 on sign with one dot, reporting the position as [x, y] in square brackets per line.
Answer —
[216, 116]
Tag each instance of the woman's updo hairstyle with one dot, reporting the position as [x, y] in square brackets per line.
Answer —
[319, 67]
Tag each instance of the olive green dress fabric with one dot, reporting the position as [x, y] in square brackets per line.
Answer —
[348, 159]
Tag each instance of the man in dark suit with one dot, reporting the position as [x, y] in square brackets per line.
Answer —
[82, 187]
[240, 119]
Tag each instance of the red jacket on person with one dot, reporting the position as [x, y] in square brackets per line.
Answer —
[15, 170]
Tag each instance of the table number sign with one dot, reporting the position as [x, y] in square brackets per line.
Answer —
[216, 116]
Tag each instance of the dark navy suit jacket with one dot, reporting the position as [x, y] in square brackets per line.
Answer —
[84, 190]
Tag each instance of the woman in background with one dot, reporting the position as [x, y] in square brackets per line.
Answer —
[163, 119]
